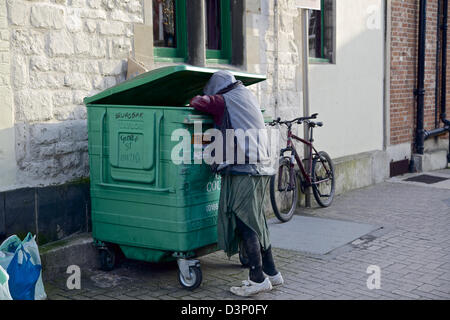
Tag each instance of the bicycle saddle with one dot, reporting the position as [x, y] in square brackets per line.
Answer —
[315, 124]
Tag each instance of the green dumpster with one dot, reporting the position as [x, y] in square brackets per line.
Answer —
[144, 206]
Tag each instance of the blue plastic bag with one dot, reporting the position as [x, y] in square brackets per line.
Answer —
[30, 246]
[8, 251]
[23, 275]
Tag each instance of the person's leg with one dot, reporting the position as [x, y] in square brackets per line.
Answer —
[252, 248]
[250, 237]
[269, 268]
[268, 263]
[257, 282]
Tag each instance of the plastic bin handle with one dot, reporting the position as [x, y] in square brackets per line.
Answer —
[111, 185]
[193, 118]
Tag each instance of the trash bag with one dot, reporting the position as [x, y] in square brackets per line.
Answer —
[5, 259]
[4, 288]
[30, 246]
[11, 244]
[23, 275]
[8, 250]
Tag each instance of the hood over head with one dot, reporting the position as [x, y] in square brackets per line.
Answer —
[219, 81]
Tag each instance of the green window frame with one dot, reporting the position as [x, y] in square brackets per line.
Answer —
[224, 54]
[179, 53]
[322, 58]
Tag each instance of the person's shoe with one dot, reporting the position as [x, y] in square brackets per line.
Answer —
[276, 280]
[250, 288]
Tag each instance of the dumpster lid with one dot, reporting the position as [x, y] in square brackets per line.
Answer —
[168, 86]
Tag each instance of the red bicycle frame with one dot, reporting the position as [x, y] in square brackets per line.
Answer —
[294, 155]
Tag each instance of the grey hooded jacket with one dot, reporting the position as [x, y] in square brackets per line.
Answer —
[244, 116]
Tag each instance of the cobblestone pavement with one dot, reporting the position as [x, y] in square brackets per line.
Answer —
[412, 250]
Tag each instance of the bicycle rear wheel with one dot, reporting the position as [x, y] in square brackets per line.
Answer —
[323, 179]
[283, 194]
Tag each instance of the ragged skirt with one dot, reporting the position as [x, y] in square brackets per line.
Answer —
[242, 197]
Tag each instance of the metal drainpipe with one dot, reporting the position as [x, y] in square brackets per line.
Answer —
[444, 70]
[444, 64]
[438, 51]
[439, 131]
[420, 91]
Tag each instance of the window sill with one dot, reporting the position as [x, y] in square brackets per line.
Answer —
[319, 61]
[169, 60]
[217, 61]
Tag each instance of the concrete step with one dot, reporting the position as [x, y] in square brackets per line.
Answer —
[76, 250]
[431, 161]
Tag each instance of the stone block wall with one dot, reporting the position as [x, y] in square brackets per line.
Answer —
[7, 143]
[274, 28]
[61, 52]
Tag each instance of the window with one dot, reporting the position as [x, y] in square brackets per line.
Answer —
[321, 32]
[218, 30]
[213, 24]
[169, 29]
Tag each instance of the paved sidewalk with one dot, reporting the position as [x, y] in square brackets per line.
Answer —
[412, 250]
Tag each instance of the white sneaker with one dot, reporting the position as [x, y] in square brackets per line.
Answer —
[250, 288]
[276, 280]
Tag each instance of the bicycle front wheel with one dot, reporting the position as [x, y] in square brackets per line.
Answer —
[283, 192]
[323, 179]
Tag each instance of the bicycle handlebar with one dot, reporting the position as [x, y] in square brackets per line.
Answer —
[298, 120]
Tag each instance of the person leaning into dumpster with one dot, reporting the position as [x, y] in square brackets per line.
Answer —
[241, 206]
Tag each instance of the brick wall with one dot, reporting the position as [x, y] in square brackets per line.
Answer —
[404, 46]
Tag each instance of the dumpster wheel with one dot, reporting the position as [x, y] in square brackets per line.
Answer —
[189, 274]
[107, 259]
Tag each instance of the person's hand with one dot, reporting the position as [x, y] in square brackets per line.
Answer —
[195, 101]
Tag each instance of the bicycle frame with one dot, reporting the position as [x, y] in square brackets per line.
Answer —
[294, 155]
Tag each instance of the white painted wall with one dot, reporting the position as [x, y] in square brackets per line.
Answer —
[7, 132]
[348, 95]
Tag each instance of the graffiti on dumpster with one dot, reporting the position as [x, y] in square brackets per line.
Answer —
[129, 116]
[130, 150]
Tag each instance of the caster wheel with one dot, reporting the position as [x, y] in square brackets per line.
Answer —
[243, 258]
[194, 281]
[107, 259]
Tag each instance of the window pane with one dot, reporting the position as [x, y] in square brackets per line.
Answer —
[315, 34]
[213, 25]
[328, 29]
[164, 24]
[321, 31]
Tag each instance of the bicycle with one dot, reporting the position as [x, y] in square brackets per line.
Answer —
[283, 185]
